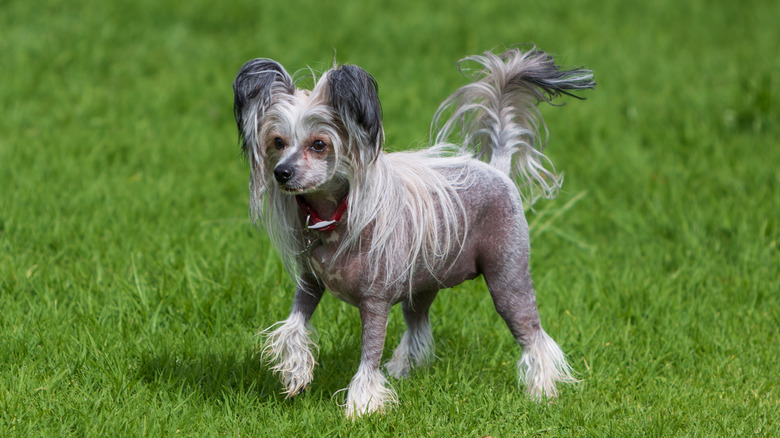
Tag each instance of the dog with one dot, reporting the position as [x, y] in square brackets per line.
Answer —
[377, 228]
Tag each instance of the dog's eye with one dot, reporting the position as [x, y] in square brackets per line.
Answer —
[318, 145]
[279, 143]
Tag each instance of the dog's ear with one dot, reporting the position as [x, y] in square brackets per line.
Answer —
[354, 95]
[255, 85]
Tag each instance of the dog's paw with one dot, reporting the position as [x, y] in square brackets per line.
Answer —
[541, 365]
[289, 347]
[413, 351]
[369, 392]
[399, 366]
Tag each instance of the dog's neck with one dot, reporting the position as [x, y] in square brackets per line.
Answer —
[326, 199]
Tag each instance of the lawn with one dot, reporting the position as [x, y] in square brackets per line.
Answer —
[133, 284]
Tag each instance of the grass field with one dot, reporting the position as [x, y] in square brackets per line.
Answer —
[132, 283]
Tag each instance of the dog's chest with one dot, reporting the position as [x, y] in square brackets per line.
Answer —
[340, 277]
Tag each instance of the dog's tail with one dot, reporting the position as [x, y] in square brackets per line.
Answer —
[496, 116]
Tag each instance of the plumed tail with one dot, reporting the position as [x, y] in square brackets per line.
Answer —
[496, 116]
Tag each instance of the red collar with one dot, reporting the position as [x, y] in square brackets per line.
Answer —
[315, 222]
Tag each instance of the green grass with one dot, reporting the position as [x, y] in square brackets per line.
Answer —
[132, 283]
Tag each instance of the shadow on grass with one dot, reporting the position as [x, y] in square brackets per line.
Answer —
[217, 375]
[212, 374]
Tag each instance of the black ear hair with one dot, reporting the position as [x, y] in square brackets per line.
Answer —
[354, 95]
[255, 83]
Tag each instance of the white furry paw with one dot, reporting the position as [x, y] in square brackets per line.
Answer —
[289, 347]
[400, 365]
[414, 351]
[541, 365]
[369, 392]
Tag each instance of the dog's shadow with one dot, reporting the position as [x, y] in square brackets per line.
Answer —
[212, 373]
[218, 374]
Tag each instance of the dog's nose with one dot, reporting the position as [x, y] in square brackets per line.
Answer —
[284, 173]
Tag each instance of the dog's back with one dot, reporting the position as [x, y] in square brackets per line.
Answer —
[495, 120]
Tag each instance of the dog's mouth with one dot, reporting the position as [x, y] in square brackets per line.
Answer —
[293, 189]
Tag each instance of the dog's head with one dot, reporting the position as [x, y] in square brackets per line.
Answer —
[300, 140]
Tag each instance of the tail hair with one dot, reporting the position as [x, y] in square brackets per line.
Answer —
[496, 117]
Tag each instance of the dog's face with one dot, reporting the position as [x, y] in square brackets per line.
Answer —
[298, 140]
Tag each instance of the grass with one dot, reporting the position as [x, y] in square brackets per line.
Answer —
[132, 283]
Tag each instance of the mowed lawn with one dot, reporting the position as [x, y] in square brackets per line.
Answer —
[133, 284]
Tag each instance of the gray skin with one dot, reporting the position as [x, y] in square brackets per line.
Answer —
[497, 247]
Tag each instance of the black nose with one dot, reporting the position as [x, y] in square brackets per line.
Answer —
[284, 173]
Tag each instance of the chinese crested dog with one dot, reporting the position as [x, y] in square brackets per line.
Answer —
[377, 228]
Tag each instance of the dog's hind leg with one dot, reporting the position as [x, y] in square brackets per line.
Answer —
[288, 343]
[416, 347]
[369, 391]
[542, 362]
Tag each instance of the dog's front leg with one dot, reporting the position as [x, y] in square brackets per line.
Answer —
[288, 343]
[369, 391]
